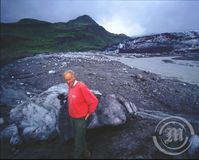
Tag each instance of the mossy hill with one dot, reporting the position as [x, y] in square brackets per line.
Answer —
[30, 36]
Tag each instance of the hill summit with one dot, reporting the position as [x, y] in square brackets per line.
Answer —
[85, 19]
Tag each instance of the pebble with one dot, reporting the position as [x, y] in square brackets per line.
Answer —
[51, 72]
[28, 93]
[64, 63]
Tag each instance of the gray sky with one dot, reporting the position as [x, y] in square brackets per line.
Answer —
[130, 17]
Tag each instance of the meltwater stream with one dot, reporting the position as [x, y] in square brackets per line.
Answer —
[183, 70]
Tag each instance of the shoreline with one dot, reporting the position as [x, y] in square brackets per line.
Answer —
[167, 67]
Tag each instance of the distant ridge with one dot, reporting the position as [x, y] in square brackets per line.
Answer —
[32, 21]
[31, 36]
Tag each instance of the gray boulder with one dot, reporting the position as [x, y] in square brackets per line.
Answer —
[37, 118]
[113, 113]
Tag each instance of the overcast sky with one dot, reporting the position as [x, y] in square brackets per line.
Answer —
[130, 17]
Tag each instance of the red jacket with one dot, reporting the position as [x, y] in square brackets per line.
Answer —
[81, 101]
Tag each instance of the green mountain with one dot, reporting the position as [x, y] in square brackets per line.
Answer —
[30, 36]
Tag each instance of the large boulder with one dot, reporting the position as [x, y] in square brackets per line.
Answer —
[38, 117]
[109, 112]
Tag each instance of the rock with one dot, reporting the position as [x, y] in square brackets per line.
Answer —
[140, 77]
[146, 72]
[134, 109]
[28, 93]
[15, 140]
[193, 150]
[1, 121]
[155, 78]
[11, 133]
[92, 73]
[37, 118]
[130, 107]
[63, 63]
[97, 93]
[51, 72]
[155, 90]
[113, 113]
[111, 83]
[184, 84]
[37, 122]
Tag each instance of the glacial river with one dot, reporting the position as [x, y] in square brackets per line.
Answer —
[183, 70]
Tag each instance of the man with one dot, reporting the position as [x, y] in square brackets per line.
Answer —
[81, 104]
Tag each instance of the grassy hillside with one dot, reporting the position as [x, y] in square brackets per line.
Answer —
[30, 36]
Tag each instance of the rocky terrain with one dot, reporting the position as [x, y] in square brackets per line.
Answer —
[31, 80]
[183, 44]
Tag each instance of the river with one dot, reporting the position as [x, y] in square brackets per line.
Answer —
[167, 67]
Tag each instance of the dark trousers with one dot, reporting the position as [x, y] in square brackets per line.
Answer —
[79, 127]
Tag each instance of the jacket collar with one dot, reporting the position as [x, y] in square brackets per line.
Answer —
[75, 83]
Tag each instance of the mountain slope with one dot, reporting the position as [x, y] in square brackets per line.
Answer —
[85, 19]
[30, 36]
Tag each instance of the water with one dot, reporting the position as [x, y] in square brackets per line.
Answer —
[183, 70]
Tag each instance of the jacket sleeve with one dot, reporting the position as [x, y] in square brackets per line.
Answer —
[90, 98]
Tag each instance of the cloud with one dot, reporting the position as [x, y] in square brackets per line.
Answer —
[119, 25]
[117, 16]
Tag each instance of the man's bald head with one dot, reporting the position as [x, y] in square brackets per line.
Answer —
[69, 77]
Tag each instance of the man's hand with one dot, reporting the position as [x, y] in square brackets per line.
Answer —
[88, 114]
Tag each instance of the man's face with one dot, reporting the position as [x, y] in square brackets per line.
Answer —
[69, 78]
